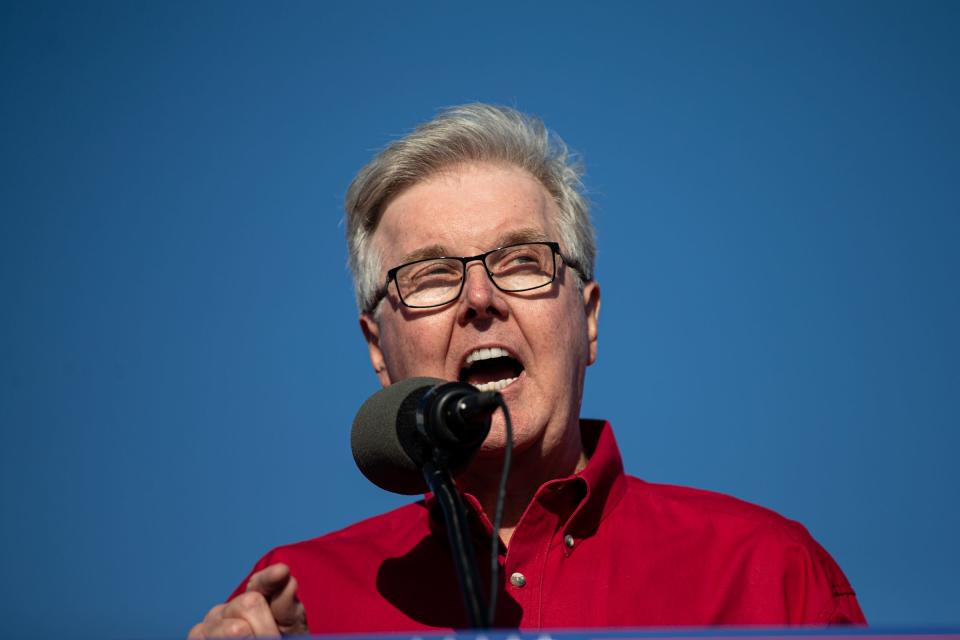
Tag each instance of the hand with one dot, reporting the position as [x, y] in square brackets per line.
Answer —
[267, 609]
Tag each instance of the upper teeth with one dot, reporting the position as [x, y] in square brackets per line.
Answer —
[486, 354]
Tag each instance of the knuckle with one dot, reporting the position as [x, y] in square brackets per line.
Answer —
[215, 613]
[234, 628]
[249, 601]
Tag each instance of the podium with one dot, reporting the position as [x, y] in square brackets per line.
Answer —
[703, 633]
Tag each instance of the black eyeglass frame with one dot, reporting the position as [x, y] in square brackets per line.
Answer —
[392, 274]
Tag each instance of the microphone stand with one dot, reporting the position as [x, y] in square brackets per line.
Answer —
[441, 484]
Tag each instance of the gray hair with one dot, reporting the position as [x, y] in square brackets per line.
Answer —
[467, 133]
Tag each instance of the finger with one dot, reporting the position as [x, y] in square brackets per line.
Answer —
[215, 613]
[269, 581]
[196, 632]
[288, 610]
[228, 628]
[252, 608]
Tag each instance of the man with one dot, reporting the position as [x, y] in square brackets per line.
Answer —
[472, 254]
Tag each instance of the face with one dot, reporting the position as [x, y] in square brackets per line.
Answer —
[548, 336]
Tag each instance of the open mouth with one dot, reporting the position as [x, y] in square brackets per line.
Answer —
[491, 369]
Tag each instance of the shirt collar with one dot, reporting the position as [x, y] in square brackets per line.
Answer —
[603, 478]
[583, 500]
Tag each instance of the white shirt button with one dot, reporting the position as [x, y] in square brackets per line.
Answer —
[568, 540]
[518, 579]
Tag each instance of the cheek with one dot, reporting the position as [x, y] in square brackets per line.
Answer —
[397, 353]
[392, 345]
[571, 337]
[411, 351]
[570, 320]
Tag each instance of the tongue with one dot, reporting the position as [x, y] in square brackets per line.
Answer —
[491, 371]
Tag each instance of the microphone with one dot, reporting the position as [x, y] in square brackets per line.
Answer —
[416, 422]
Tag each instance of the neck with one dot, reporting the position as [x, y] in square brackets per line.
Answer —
[528, 472]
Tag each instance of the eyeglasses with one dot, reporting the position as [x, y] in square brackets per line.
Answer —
[434, 282]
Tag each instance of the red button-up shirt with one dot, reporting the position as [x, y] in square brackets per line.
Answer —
[597, 549]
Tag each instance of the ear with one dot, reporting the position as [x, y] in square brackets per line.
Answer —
[591, 306]
[371, 333]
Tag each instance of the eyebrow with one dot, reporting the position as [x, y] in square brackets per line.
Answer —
[423, 253]
[528, 234]
[516, 236]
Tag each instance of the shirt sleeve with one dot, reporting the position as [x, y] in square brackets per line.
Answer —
[817, 591]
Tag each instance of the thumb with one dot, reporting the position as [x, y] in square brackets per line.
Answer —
[279, 587]
[288, 610]
[270, 581]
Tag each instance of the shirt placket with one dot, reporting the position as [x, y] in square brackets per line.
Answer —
[527, 559]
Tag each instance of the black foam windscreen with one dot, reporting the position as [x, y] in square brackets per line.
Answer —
[377, 435]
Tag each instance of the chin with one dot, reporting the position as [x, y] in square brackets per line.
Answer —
[495, 444]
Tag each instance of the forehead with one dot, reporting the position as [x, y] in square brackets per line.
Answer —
[465, 210]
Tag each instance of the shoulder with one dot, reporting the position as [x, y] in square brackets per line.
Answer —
[719, 527]
[373, 537]
[708, 530]
[689, 507]
[342, 573]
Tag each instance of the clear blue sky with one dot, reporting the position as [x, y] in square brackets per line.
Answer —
[775, 188]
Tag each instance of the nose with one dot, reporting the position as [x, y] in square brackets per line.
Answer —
[480, 298]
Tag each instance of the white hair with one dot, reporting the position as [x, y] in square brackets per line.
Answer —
[468, 133]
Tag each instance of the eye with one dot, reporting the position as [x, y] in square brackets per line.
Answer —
[430, 273]
[521, 258]
[431, 269]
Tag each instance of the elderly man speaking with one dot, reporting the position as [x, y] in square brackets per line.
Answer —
[470, 195]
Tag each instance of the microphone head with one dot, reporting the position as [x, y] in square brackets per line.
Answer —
[375, 438]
